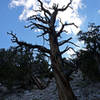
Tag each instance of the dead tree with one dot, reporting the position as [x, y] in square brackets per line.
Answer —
[46, 24]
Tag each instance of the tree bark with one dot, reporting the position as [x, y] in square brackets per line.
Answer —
[63, 86]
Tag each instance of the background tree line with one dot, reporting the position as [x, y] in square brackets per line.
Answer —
[88, 58]
[18, 65]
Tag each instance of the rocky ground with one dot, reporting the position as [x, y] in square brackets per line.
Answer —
[84, 90]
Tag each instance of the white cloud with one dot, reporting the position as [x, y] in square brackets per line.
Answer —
[70, 52]
[69, 15]
[98, 11]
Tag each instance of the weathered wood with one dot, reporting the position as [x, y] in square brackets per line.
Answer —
[64, 89]
[38, 83]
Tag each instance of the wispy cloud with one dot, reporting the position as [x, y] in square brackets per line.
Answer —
[98, 11]
[69, 15]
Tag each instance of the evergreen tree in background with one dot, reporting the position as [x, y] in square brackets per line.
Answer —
[18, 65]
[89, 59]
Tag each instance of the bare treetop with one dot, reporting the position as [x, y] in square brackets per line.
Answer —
[46, 24]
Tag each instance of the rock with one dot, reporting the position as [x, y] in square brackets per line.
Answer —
[3, 89]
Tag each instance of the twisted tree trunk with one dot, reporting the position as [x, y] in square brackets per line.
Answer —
[63, 86]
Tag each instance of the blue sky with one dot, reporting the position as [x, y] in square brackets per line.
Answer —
[10, 20]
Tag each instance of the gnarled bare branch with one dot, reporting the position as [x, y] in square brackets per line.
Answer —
[67, 41]
[73, 44]
[63, 26]
[66, 49]
[64, 41]
[39, 26]
[14, 38]
[42, 7]
[44, 28]
[65, 7]
[43, 35]
[38, 18]
[21, 43]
